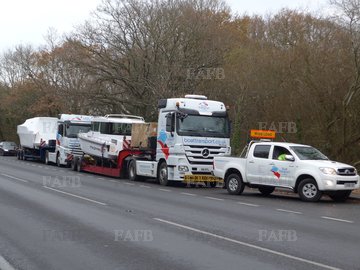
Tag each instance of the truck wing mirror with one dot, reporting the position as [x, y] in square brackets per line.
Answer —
[289, 158]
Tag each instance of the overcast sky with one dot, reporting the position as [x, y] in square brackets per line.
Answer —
[28, 21]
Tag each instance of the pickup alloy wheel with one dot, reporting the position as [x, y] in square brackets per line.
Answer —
[308, 190]
[234, 184]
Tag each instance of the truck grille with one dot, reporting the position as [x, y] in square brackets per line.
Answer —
[203, 155]
[346, 171]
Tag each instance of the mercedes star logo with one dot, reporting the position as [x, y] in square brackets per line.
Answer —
[205, 153]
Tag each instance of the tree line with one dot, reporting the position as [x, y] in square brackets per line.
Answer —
[292, 71]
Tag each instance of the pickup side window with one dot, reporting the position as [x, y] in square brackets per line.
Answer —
[279, 151]
[262, 151]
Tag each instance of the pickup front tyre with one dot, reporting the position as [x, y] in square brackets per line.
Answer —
[309, 191]
[234, 184]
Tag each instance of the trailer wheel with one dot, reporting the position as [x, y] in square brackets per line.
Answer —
[79, 165]
[23, 155]
[74, 164]
[132, 171]
[163, 174]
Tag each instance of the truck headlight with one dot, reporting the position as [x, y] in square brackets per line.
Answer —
[183, 168]
[331, 171]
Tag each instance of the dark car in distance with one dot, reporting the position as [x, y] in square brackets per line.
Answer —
[8, 148]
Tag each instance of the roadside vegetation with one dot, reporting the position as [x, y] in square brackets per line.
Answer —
[292, 67]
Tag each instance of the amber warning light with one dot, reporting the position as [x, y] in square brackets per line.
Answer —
[262, 134]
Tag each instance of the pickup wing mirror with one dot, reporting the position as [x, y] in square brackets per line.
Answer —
[289, 158]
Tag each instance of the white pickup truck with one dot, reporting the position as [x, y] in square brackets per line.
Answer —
[305, 170]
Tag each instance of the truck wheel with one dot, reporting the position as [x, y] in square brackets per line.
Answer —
[213, 184]
[340, 196]
[266, 190]
[309, 191]
[234, 184]
[74, 164]
[163, 174]
[79, 165]
[47, 158]
[132, 171]
[23, 155]
[18, 155]
[58, 163]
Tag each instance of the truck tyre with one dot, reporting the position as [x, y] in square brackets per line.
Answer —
[47, 158]
[23, 155]
[74, 164]
[132, 171]
[309, 191]
[58, 163]
[234, 184]
[340, 196]
[266, 190]
[79, 164]
[18, 155]
[163, 174]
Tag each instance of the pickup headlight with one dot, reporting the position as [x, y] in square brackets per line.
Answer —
[331, 171]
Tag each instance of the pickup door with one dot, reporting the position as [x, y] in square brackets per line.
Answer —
[264, 168]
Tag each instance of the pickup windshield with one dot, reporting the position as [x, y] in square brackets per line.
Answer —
[72, 130]
[308, 153]
[203, 125]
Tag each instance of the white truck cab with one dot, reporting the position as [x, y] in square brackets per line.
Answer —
[67, 142]
[301, 168]
[191, 132]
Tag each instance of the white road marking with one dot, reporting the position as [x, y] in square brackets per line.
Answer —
[248, 245]
[166, 190]
[248, 204]
[213, 198]
[73, 195]
[188, 194]
[15, 178]
[143, 186]
[100, 178]
[5, 265]
[112, 180]
[337, 219]
[130, 184]
[289, 211]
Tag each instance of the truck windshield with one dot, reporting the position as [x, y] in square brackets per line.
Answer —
[203, 125]
[72, 130]
[308, 153]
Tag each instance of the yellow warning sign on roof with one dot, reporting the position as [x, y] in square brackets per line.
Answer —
[262, 134]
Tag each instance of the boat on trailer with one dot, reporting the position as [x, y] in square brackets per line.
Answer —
[109, 135]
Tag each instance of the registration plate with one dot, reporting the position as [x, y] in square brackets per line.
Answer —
[349, 185]
[201, 178]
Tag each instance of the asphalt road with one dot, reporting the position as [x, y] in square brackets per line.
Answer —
[54, 218]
